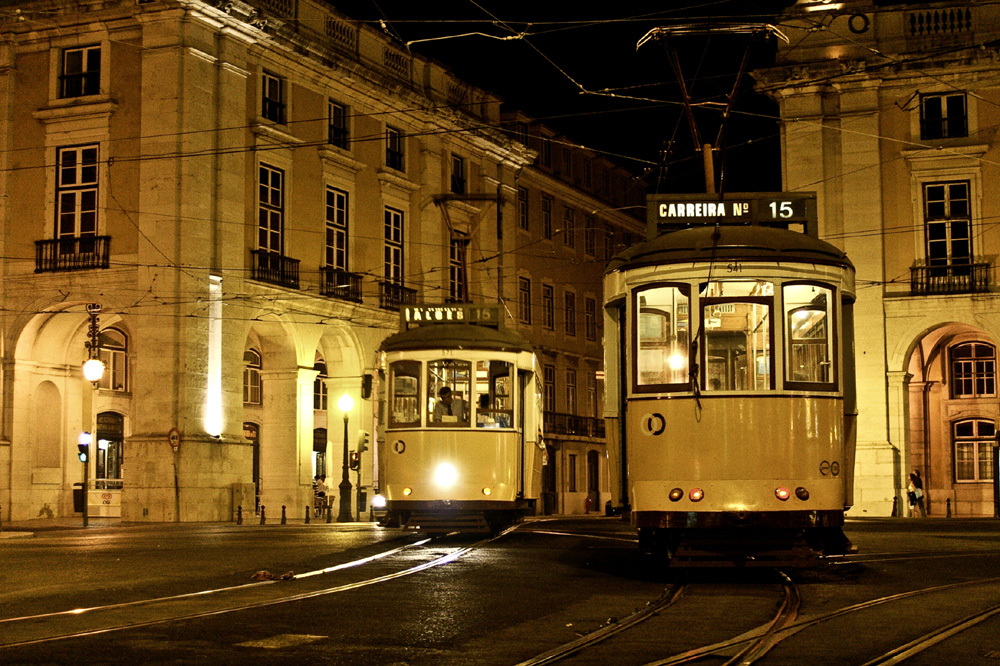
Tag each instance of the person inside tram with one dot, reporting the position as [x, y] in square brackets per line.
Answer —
[448, 408]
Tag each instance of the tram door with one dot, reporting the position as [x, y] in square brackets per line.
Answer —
[251, 431]
[594, 479]
[523, 378]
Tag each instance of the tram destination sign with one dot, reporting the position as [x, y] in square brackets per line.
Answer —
[450, 313]
[790, 210]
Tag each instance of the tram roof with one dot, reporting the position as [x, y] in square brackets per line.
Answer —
[456, 336]
[729, 242]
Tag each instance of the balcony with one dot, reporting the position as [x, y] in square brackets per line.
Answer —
[274, 268]
[72, 254]
[392, 296]
[340, 284]
[557, 423]
[950, 279]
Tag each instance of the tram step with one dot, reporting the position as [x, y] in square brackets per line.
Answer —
[452, 522]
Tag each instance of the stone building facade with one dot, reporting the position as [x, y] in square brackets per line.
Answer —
[889, 113]
[248, 192]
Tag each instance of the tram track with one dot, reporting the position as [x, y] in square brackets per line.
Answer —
[82, 622]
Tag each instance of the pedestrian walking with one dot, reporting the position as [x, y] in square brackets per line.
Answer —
[915, 494]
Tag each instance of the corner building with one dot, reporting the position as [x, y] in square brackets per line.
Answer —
[889, 113]
[249, 192]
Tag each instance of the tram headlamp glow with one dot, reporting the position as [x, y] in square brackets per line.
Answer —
[696, 494]
[407, 491]
[378, 501]
[487, 491]
[782, 493]
[802, 493]
[676, 494]
[445, 475]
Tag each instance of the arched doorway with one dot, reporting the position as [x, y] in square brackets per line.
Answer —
[251, 431]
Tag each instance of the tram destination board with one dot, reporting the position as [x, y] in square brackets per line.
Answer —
[789, 210]
[450, 313]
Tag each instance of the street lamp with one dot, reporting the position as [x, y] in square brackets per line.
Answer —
[93, 371]
[346, 403]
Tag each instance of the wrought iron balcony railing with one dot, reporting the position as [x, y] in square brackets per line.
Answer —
[392, 296]
[968, 278]
[557, 423]
[274, 268]
[72, 254]
[340, 284]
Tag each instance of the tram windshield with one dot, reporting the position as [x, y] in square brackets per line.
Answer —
[494, 404]
[404, 382]
[736, 319]
[809, 355]
[663, 336]
[448, 389]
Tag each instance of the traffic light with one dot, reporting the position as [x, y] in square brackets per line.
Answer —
[83, 444]
[355, 460]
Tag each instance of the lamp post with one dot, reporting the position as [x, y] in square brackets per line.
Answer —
[346, 403]
[93, 371]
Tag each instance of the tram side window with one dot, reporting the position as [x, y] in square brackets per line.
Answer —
[736, 319]
[494, 404]
[448, 388]
[404, 380]
[809, 347]
[662, 337]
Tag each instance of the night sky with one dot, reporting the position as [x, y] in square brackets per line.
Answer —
[576, 67]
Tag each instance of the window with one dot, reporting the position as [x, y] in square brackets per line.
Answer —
[394, 155]
[449, 383]
[457, 174]
[548, 307]
[809, 344]
[947, 217]
[336, 229]
[522, 208]
[609, 242]
[589, 237]
[272, 98]
[546, 216]
[571, 472]
[320, 401]
[456, 270]
[524, 299]
[81, 72]
[590, 318]
[271, 213]
[736, 320]
[114, 354]
[404, 396]
[943, 116]
[973, 443]
[570, 391]
[591, 394]
[662, 339]
[973, 370]
[588, 174]
[494, 402]
[251, 377]
[545, 152]
[569, 227]
[337, 132]
[549, 394]
[393, 246]
[570, 312]
[567, 164]
[605, 183]
[76, 192]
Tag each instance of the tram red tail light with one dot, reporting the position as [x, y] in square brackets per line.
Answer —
[802, 493]
[782, 493]
[676, 494]
[696, 494]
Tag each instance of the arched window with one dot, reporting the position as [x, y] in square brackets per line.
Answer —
[973, 370]
[251, 377]
[114, 355]
[973, 445]
[319, 385]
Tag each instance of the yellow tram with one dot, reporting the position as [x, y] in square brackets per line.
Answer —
[730, 397]
[459, 421]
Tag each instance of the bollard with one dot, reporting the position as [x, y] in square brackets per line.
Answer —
[895, 507]
[284, 521]
[307, 514]
[329, 513]
[263, 518]
[239, 515]
[947, 508]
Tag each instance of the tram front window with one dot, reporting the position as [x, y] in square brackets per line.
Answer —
[404, 381]
[662, 333]
[807, 325]
[494, 407]
[448, 386]
[736, 319]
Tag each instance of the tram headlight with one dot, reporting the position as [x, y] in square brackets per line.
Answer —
[407, 491]
[802, 493]
[782, 493]
[696, 494]
[445, 475]
[378, 501]
[487, 491]
[676, 494]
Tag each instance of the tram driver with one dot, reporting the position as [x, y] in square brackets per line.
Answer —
[448, 408]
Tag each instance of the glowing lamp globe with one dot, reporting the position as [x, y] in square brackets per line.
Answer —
[346, 403]
[93, 370]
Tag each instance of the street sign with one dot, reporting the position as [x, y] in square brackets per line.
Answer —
[788, 210]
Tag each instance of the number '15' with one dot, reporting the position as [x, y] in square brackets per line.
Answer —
[781, 209]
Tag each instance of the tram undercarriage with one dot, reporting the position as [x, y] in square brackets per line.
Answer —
[445, 517]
